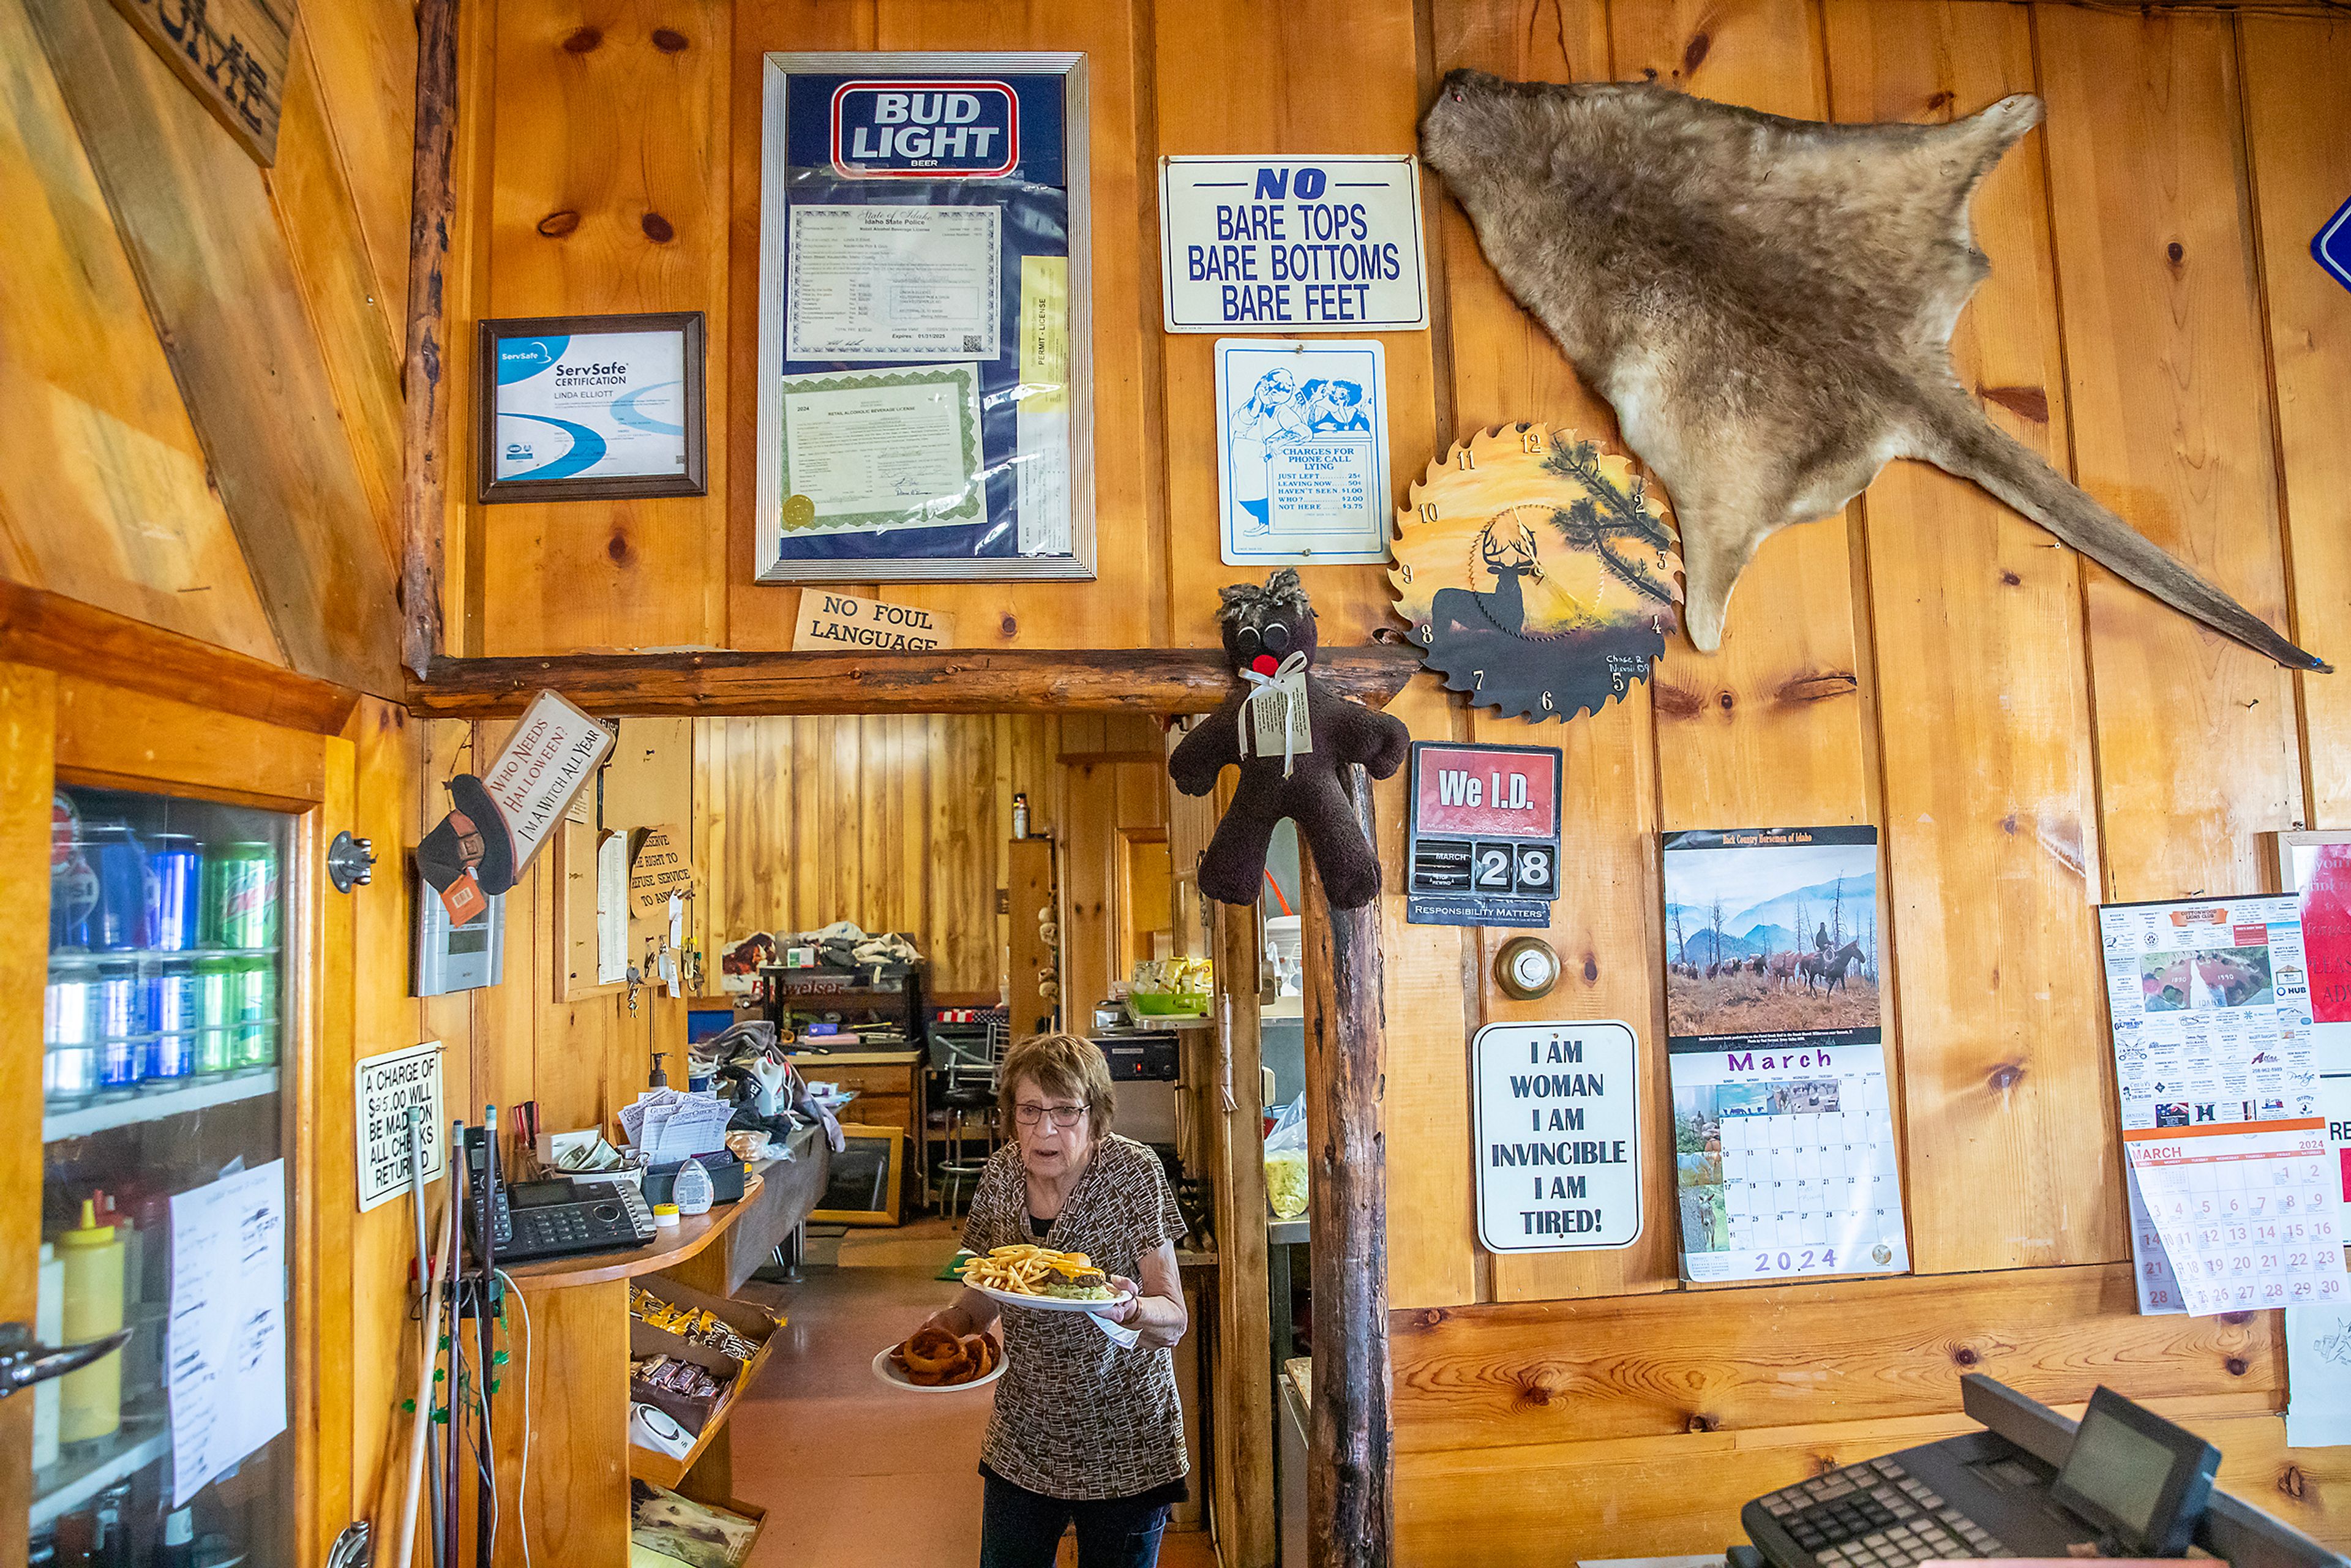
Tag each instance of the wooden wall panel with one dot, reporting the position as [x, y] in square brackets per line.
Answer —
[1776, 1355]
[1271, 93]
[364, 55]
[1979, 653]
[2172, 428]
[105, 496]
[195, 216]
[328, 247]
[610, 196]
[1681, 1495]
[2297, 88]
[897, 822]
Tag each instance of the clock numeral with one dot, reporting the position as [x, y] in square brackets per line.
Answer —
[1481, 680]
[1531, 440]
[1428, 509]
[1404, 572]
[1464, 459]
[1546, 702]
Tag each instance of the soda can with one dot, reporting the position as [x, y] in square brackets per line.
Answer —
[253, 995]
[175, 1009]
[69, 1073]
[69, 1009]
[119, 922]
[167, 1060]
[174, 873]
[240, 896]
[216, 1041]
[122, 1019]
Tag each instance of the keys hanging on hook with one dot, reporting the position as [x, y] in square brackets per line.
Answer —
[636, 984]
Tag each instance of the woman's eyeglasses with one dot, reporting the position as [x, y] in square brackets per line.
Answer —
[1062, 1117]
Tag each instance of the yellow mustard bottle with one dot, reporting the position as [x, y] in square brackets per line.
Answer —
[91, 1400]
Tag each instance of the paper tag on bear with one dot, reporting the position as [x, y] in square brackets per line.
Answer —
[1277, 713]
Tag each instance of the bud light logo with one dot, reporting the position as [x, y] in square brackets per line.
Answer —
[925, 129]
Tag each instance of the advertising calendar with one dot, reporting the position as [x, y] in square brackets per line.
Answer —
[2235, 1203]
[1783, 1134]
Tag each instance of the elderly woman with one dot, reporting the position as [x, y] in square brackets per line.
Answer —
[1085, 1429]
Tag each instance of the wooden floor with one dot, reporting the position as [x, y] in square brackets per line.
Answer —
[852, 1473]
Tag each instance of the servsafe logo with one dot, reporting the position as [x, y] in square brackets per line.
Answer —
[954, 129]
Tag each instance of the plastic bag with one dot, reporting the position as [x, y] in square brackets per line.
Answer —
[1285, 1162]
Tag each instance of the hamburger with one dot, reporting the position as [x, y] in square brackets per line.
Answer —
[1073, 1277]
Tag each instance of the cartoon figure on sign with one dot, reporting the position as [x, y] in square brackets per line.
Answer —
[1536, 571]
[1270, 418]
[1333, 405]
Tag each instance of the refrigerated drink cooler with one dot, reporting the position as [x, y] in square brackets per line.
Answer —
[162, 1023]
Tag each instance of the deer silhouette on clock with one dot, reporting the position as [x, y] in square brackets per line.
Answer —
[1537, 572]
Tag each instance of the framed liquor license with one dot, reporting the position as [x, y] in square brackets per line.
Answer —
[925, 407]
[579, 408]
[1482, 841]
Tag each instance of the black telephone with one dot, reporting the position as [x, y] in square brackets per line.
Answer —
[547, 1218]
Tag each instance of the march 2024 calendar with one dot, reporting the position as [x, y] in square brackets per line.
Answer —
[2235, 1203]
[1784, 1135]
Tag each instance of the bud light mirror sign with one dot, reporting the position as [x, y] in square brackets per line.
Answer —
[1482, 840]
[924, 408]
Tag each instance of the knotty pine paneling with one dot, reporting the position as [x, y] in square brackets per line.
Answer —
[2173, 429]
[607, 195]
[2297, 88]
[195, 215]
[1979, 653]
[895, 822]
[105, 498]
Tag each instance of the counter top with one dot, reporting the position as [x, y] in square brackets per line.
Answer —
[667, 1249]
[805, 1058]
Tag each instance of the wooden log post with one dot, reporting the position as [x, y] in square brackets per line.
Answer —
[1350, 1503]
[425, 426]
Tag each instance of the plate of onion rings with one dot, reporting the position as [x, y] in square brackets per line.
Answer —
[933, 1361]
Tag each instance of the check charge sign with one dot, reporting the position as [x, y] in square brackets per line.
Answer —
[1327, 244]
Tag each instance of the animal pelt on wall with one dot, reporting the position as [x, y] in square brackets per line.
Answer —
[1768, 304]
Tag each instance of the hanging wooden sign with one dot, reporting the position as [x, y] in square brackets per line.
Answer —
[1537, 572]
[232, 54]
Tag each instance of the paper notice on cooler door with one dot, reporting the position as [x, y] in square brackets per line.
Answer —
[227, 1347]
[1041, 461]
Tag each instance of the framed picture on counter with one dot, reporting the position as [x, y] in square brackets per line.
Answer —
[580, 408]
[925, 324]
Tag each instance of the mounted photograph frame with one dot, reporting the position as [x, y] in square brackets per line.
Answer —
[586, 408]
[925, 394]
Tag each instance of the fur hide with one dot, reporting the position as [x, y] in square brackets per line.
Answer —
[1768, 304]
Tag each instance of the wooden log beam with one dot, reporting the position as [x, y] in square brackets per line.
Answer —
[425, 430]
[1350, 1502]
[750, 685]
[51, 631]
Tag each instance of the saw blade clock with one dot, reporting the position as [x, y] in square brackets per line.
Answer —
[1537, 572]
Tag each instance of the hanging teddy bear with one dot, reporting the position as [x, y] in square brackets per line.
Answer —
[1292, 736]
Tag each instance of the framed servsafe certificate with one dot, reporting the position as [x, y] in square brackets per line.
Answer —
[575, 408]
[924, 407]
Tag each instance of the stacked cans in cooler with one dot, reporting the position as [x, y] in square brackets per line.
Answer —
[164, 965]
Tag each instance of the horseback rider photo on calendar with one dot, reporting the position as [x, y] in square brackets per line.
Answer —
[1771, 930]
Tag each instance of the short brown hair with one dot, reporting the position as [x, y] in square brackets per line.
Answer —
[1064, 1065]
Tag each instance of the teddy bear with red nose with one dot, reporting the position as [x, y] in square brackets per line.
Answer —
[1291, 735]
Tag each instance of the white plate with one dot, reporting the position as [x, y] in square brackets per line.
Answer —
[889, 1375]
[1048, 1303]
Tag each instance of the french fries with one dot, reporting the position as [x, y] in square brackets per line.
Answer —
[1027, 1269]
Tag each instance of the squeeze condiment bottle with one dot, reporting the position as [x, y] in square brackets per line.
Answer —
[90, 1402]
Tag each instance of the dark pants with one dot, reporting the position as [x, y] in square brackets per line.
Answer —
[1021, 1528]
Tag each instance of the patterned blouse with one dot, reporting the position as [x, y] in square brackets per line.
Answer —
[1077, 1416]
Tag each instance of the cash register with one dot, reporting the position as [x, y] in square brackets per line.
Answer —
[2125, 1482]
